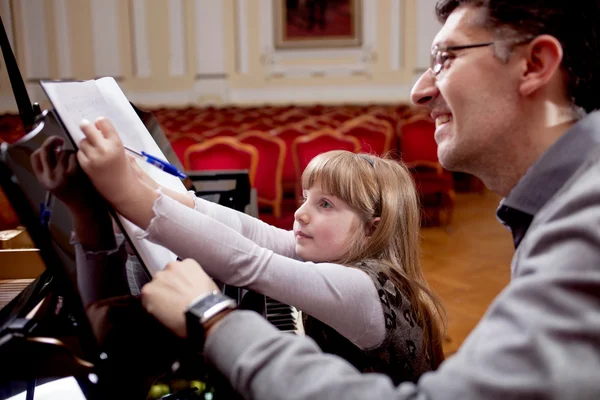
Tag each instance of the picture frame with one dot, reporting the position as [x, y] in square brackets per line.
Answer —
[317, 24]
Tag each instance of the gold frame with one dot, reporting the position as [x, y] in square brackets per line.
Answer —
[282, 43]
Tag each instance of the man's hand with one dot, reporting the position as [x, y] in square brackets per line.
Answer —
[172, 290]
[57, 171]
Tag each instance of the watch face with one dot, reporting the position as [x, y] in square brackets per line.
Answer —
[202, 311]
[211, 305]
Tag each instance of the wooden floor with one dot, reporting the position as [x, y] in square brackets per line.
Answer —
[468, 266]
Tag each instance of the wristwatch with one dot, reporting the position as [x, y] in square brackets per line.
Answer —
[201, 311]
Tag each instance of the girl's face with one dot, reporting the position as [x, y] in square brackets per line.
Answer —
[324, 226]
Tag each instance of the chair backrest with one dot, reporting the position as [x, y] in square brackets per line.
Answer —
[197, 128]
[262, 125]
[340, 116]
[386, 114]
[373, 138]
[222, 153]
[288, 135]
[271, 155]
[181, 141]
[417, 142]
[307, 147]
[221, 131]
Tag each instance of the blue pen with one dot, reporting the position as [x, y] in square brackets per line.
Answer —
[45, 210]
[157, 162]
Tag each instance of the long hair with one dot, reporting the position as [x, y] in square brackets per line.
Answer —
[381, 187]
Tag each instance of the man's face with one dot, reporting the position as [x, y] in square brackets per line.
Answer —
[473, 99]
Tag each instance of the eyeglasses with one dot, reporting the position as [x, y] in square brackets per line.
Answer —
[441, 54]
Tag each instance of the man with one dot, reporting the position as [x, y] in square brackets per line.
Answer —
[512, 86]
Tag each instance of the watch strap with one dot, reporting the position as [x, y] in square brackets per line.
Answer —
[201, 312]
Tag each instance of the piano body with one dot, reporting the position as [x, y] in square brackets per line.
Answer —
[46, 332]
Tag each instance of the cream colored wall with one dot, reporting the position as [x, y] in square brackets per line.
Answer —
[197, 52]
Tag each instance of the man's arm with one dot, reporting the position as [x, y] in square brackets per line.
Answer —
[538, 339]
[262, 362]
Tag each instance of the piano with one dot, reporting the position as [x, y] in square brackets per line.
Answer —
[46, 332]
[284, 317]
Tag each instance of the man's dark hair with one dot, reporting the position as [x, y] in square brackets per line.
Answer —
[574, 24]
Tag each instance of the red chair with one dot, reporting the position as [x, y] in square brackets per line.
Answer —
[197, 128]
[181, 141]
[291, 116]
[306, 148]
[340, 116]
[271, 156]
[288, 135]
[222, 153]
[434, 183]
[263, 125]
[374, 138]
[385, 113]
[221, 131]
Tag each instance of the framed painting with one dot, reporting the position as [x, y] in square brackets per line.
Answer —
[303, 24]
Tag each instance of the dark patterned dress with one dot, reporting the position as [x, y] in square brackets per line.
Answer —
[400, 355]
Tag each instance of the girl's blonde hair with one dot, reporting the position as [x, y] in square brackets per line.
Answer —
[381, 187]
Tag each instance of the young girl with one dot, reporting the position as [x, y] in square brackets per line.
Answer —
[351, 263]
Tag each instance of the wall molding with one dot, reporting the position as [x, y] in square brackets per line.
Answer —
[177, 40]
[105, 42]
[427, 27]
[217, 92]
[210, 37]
[141, 60]
[63, 39]
[396, 17]
[34, 35]
[241, 14]
[8, 24]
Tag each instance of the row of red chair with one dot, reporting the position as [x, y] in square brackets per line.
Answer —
[263, 156]
[276, 161]
[375, 137]
[212, 120]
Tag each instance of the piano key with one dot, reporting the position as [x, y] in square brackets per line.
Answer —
[283, 316]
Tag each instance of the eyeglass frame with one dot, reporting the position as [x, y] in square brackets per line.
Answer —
[436, 66]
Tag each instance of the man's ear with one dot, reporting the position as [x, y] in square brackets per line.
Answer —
[543, 58]
[372, 225]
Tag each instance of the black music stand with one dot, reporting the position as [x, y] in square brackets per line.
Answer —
[139, 348]
[60, 340]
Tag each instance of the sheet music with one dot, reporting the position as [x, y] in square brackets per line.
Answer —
[75, 101]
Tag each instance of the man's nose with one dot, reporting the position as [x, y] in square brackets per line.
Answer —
[424, 90]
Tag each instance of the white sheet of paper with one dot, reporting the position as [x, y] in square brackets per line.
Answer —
[60, 389]
[103, 97]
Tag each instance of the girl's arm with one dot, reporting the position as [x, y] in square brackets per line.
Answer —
[280, 241]
[265, 235]
[343, 298]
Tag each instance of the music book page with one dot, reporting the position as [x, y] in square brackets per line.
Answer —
[77, 100]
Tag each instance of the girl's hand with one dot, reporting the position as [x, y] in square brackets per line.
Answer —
[102, 156]
[141, 174]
